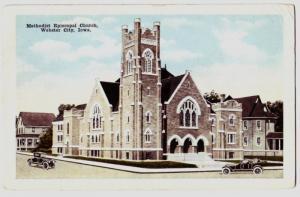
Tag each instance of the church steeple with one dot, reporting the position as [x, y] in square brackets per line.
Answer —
[140, 84]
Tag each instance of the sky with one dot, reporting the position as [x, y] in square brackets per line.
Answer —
[231, 54]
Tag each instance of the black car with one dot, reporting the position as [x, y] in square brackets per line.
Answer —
[245, 165]
[40, 161]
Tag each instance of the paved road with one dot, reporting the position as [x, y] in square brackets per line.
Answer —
[72, 170]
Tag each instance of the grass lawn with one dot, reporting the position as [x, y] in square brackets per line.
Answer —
[141, 164]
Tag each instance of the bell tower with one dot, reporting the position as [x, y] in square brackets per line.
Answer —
[140, 92]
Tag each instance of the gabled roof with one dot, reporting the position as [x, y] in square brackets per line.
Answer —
[169, 85]
[111, 90]
[36, 118]
[253, 107]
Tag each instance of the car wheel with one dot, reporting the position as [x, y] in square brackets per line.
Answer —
[226, 171]
[30, 163]
[46, 166]
[257, 170]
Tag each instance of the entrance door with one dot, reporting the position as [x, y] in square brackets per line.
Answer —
[187, 146]
[200, 146]
[174, 146]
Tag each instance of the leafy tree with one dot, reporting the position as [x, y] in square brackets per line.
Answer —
[277, 108]
[45, 143]
[63, 107]
[212, 97]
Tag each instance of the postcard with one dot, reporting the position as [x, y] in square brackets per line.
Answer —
[149, 96]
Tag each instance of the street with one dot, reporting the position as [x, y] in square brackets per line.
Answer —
[73, 170]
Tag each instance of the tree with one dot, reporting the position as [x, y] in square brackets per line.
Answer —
[212, 97]
[63, 107]
[45, 143]
[277, 109]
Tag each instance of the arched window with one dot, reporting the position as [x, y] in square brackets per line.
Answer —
[148, 55]
[127, 136]
[188, 114]
[231, 119]
[129, 59]
[148, 117]
[148, 134]
[96, 117]
[68, 128]
[118, 137]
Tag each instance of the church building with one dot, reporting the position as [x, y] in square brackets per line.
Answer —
[148, 113]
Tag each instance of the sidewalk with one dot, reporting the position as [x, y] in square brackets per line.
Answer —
[137, 169]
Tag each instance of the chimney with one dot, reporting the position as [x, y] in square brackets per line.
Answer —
[222, 97]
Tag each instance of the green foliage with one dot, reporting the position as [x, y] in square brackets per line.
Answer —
[141, 164]
[63, 107]
[45, 143]
[277, 108]
[212, 96]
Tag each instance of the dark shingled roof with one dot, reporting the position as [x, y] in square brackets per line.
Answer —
[37, 118]
[253, 107]
[165, 74]
[275, 135]
[81, 106]
[111, 90]
[168, 87]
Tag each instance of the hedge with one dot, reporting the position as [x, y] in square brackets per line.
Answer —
[141, 164]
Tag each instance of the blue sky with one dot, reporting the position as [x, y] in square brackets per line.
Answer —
[237, 55]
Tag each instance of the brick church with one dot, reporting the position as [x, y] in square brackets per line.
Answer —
[148, 113]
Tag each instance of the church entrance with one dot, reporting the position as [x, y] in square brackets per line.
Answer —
[187, 146]
[200, 146]
[174, 146]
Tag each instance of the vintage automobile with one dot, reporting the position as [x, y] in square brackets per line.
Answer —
[40, 161]
[245, 165]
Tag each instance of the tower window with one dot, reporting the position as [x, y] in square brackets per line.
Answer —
[148, 55]
[129, 59]
[148, 116]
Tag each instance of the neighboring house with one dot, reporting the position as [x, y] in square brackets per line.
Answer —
[259, 135]
[29, 127]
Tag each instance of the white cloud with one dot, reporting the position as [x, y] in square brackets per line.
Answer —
[241, 80]
[24, 67]
[179, 55]
[232, 41]
[179, 22]
[53, 50]
[47, 91]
